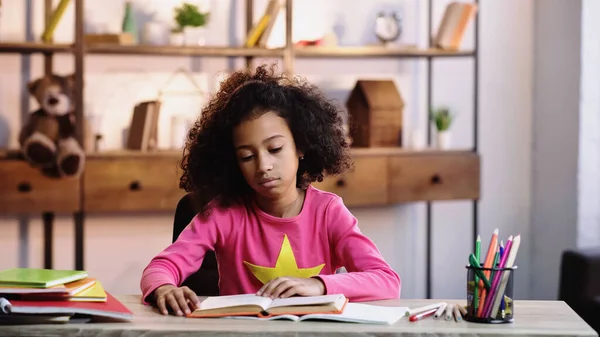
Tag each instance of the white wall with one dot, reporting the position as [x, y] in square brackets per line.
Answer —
[557, 46]
[589, 129]
[399, 231]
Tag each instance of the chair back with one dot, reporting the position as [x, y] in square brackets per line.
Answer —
[205, 281]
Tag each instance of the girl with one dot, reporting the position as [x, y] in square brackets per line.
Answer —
[249, 160]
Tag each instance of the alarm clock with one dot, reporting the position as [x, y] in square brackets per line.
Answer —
[387, 27]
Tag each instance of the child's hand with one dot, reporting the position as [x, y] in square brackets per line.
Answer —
[283, 287]
[181, 300]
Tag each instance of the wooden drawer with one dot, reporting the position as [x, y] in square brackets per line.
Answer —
[366, 185]
[438, 176]
[115, 184]
[24, 189]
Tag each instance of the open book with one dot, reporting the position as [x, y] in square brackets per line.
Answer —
[352, 313]
[259, 306]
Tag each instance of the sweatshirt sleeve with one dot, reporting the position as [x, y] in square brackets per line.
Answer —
[369, 276]
[181, 258]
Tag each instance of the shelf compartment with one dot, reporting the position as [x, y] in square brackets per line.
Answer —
[131, 184]
[111, 49]
[24, 190]
[435, 176]
[34, 47]
[375, 51]
[366, 185]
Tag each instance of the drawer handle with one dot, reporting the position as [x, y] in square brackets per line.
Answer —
[340, 183]
[436, 179]
[24, 187]
[135, 185]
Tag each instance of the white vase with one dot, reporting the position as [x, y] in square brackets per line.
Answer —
[176, 39]
[194, 36]
[155, 33]
[444, 140]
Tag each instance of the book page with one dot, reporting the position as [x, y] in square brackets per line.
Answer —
[216, 302]
[304, 300]
[270, 318]
[362, 313]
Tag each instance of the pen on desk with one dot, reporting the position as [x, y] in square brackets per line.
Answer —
[449, 311]
[420, 316]
[423, 309]
[456, 312]
[440, 310]
[5, 306]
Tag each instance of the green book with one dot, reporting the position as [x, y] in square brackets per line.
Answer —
[39, 278]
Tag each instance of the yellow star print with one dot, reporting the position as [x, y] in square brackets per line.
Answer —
[285, 266]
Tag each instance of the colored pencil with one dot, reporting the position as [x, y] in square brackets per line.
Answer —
[475, 304]
[510, 261]
[489, 259]
[496, 281]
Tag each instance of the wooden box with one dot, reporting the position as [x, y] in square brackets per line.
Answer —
[375, 111]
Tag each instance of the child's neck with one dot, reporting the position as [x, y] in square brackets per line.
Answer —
[288, 206]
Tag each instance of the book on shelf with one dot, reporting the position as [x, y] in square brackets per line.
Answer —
[260, 306]
[261, 31]
[143, 130]
[453, 25]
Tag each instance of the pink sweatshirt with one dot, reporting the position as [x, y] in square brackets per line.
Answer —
[254, 247]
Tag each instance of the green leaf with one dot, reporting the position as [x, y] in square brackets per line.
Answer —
[442, 118]
[189, 15]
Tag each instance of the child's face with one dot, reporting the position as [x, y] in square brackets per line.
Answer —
[267, 155]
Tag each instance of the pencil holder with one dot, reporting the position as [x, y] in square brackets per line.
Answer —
[490, 294]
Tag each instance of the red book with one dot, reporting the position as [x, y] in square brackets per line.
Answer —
[112, 308]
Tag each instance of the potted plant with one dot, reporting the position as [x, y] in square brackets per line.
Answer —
[191, 22]
[442, 119]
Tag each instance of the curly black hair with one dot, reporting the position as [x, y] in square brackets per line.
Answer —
[210, 169]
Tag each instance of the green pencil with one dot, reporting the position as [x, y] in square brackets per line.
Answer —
[478, 257]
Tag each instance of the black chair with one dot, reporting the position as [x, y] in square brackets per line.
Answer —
[579, 283]
[205, 281]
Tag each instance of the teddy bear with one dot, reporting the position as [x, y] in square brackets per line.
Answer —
[48, 139]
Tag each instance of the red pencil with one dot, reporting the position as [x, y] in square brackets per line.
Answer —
[424, 314]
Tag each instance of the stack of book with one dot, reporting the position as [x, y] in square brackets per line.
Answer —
[31, 295]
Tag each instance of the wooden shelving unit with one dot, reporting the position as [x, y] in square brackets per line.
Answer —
[299, 52]
[120, 180]
[34, 47]
[373, 52]
[183, 51]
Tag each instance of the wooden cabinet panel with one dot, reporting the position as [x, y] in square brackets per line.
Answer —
[23, 189]
[132, 184]
[439, 176]
[366, 185]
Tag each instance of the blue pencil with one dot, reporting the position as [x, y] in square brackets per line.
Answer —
[502, 304]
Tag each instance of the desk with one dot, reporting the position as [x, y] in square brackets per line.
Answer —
[533, 318]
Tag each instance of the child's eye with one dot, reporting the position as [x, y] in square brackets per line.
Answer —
[247, 158]
[276, 150]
